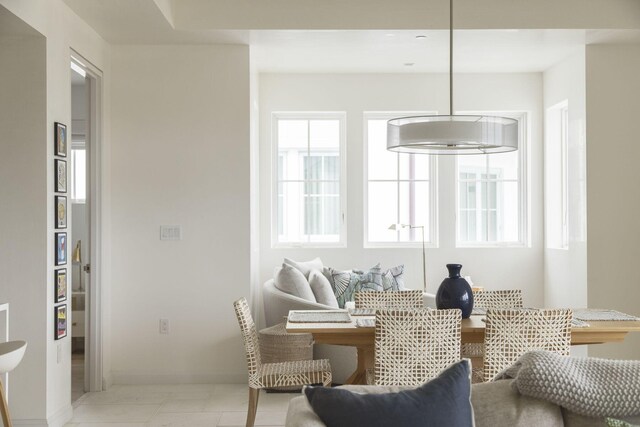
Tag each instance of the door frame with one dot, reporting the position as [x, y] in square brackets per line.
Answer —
[94, 370]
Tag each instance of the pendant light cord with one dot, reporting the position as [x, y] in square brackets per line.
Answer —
[451, 57]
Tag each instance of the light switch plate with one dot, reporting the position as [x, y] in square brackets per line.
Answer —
[170, 232]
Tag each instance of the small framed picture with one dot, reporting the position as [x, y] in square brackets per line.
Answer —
[61, 212]
[60, 139]
[61, 176]
[61, 284]
[60, 321]
[61, 248]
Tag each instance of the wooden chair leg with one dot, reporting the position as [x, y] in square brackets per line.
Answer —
[4, 409]
[254, 394]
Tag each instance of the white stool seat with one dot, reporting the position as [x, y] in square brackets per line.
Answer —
[11, 354]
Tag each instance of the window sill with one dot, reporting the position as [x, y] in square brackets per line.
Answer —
[399, 245]
[308, 246]
[514, 245]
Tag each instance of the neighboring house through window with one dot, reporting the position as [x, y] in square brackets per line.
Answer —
[309, 202]
[400, 189]
[491, 194]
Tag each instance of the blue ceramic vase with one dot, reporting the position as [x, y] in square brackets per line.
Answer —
[455, 292]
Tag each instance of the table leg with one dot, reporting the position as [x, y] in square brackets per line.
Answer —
[365, 361]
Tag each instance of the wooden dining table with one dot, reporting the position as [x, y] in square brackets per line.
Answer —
[472, 331]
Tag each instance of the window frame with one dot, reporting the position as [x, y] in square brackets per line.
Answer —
[433, 226]
[77, 146]
[524, 229]
[341, 116]
[564, 119]
[560, 134]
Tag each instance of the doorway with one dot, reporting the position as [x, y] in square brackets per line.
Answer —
[84, 201]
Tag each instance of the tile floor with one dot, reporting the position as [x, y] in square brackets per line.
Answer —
[185, 405]
[77, 376]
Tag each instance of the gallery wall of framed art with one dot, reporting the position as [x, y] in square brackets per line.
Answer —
[61, 248]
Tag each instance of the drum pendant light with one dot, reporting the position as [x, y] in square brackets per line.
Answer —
[452, 134]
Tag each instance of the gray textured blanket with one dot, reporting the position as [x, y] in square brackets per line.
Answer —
[588, 386]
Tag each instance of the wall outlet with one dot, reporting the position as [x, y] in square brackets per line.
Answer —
[170, 232]
[59, 353]
[164, 326]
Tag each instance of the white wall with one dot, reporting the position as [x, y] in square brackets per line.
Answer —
[63, 30]
[566, 269]
[180, 157]
[23, 221]
[254, 185]
[613, 150]
[494, 268]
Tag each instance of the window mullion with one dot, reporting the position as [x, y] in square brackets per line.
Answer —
[308, 198]
[397, 195]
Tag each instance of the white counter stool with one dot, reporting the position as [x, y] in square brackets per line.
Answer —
[11, 354]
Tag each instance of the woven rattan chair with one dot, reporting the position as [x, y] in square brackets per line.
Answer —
[511, 333]
[389, 299]
[511, 298]
[267, 375]
[413, 346]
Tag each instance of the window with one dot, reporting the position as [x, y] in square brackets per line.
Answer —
[400, 189]
[78, 173]
[309, 197]
[491, 208]
[556, 176]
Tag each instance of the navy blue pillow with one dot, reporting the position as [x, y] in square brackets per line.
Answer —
[443, 401]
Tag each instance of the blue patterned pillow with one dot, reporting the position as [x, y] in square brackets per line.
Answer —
[346, 283]
[392, 279]
[443, 401]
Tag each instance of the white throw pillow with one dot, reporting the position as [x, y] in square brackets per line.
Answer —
[292, 282]
[305, 267]
[322, 289]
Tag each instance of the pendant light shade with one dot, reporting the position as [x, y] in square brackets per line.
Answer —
[452, 134]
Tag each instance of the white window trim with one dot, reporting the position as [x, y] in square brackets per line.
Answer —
[564, 166]
[308, 115]
[433, 186]
[523, 188]
[563, 109]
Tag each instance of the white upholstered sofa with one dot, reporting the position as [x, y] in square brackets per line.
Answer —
[495, 404]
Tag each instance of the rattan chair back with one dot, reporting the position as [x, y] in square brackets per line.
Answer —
[389, 299]
[414, 346]
[510, 298]
[249, 335]
[510, 333]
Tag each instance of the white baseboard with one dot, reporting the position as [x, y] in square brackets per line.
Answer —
[107, 381]
[163, 378]
[32, 422]
[59, 419]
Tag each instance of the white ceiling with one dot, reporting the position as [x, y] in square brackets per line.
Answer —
[389, 51]
[12, 26]
[348, 51]
[77, 79]
[141, 22]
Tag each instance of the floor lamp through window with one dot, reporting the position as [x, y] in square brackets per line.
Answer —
[398, 227]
